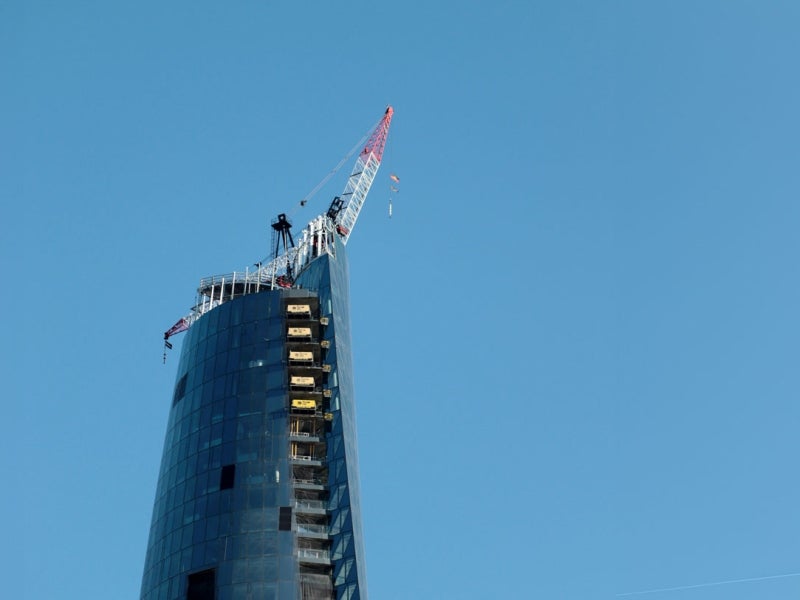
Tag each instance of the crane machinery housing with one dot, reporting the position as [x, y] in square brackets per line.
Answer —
[289, 259]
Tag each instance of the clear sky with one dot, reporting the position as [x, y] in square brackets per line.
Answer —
[575, 341]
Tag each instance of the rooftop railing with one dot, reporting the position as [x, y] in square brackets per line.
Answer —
[317, 238]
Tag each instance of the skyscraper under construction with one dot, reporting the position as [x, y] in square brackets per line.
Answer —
[258, 492]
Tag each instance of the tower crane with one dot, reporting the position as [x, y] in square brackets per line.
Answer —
[318, 237]
[362, 176]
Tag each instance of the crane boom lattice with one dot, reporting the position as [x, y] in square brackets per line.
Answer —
[362, 176]
[315, 239]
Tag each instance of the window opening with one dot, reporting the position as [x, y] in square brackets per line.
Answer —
[285, 518]
[227, 477]
[202, 585]
[180, 389]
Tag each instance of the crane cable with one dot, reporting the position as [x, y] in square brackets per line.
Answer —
[335, 169]
[326, 179]
[392, 189]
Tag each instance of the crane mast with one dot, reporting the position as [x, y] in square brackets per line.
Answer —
[315, 239]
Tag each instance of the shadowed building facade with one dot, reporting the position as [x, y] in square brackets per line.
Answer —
[258, 492]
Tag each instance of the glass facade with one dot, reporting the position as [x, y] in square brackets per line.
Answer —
[258, 493]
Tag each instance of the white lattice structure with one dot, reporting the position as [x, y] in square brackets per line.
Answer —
[317, 238]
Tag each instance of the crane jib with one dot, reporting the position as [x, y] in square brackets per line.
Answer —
[315, 239]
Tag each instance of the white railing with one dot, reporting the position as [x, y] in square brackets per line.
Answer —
[312, 504]
[311, 528]
[309, 482]
[318, 554]
[316, 239]
[301, 457]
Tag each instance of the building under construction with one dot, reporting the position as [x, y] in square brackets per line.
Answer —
[258, 492]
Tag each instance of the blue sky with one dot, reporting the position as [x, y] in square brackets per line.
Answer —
[575, 341]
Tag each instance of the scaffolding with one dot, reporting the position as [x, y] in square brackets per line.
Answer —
[309, 423]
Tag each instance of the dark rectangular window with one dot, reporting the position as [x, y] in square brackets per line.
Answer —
[180, 389]
[227, 477]
[202, 585]
[285, 518]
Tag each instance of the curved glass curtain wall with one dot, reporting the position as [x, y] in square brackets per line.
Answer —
[224, 470]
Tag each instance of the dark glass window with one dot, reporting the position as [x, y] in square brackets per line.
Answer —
[180, 389]
[227, 477]
[285, 518]
[202, 585]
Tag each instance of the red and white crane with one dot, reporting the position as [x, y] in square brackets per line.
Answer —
[362, 176]
[315, 239]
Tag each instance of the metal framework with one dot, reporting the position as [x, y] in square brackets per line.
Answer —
[362, 176]
[317, 238]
